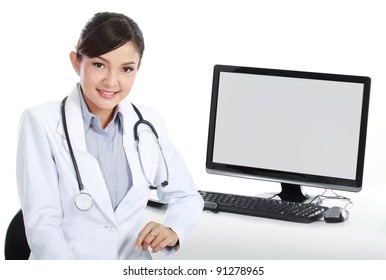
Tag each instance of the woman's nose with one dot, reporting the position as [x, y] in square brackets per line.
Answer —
[111, 79]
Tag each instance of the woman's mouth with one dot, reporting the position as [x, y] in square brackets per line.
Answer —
[106, 93]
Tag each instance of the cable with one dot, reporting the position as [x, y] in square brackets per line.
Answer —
[334, 195]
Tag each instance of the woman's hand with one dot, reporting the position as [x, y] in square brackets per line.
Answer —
[156, 236]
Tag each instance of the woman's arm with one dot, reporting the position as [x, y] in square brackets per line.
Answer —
[185, 204]
[37, 181]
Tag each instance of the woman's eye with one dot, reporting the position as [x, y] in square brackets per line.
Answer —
[98, 65]
[127, 69]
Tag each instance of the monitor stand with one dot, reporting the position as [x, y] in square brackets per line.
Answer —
[292, 192]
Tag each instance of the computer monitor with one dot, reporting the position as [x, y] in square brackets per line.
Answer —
[292, 127]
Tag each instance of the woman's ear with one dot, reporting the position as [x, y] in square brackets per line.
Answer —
[75, 61]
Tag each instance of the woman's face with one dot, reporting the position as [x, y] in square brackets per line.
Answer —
[106, 80]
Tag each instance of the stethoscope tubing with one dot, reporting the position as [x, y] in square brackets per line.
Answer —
[78, 177]
[84, 201]
[136, 138]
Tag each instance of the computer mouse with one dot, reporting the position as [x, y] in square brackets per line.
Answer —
[335, 214]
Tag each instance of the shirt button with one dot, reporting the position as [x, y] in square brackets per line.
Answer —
[110, 227]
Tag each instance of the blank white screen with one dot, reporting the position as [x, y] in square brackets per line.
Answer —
[289, 124]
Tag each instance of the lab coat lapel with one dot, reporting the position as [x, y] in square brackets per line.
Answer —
[149, 159]
[89, 169]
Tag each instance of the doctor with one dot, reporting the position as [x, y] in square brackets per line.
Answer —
[116, 178]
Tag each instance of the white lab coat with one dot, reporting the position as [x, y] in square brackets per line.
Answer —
[47, 187]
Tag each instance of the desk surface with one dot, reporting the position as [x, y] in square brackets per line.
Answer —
[231, 236]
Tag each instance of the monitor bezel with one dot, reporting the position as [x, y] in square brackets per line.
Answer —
[301, 179]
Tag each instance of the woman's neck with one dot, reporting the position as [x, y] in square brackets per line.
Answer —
[105, 116]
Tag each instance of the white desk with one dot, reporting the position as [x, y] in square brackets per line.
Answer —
[231, 236]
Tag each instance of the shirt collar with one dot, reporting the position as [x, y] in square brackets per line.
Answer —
[88, 116]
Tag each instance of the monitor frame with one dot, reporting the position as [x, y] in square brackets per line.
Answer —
[291, 181]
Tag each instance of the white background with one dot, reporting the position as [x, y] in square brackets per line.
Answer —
[184, 39]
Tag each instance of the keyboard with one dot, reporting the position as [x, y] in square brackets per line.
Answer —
[263, 207]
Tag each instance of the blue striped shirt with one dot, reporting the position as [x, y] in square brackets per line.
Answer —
[106, 145]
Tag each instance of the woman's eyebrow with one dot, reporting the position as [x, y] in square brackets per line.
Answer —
[129, 63]
[125, 63]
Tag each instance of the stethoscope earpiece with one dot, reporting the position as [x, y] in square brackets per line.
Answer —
[163, 184]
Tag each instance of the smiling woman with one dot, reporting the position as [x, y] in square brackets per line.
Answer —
[107, 79]
[108, 55]
[95, 128]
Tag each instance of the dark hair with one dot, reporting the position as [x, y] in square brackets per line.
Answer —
[105, 32]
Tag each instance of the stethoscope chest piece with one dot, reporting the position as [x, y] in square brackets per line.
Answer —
[83, 201]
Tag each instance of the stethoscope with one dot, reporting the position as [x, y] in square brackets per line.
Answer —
[84, 201]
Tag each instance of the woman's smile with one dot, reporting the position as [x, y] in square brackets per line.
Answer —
[107, 93]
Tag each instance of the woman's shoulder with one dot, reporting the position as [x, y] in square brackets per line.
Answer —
[45, 112]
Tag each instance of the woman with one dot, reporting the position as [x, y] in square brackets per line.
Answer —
[117, 179]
